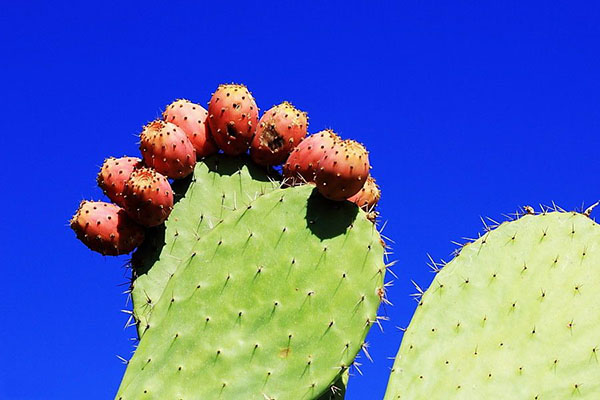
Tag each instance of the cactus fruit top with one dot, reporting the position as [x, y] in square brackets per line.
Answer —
[166, 148]
[249, 314]
[280, 129]
[148, 197]
[343, 170]
[192, 119]
[113, 175]
[367, 197]
[106, 228]
[301, 165]
[233, 118]
[513, 316]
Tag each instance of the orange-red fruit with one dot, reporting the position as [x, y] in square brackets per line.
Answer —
[148, 197]
[301, 165]
[279, 130]
[368, 196]
[113, 175]
[343, 170]
[106, 228]
[166, 148]
[191, 118]
[233, 118]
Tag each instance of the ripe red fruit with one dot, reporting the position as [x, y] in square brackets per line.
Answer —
[343, 170]
[106, 228]
[368, 196]
[233, 118]
[192, 119]
[280, 129]
[148, 197]
[301, 165]
[113, 175]
[166, 148]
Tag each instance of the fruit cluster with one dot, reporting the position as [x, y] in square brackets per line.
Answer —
[142, 194]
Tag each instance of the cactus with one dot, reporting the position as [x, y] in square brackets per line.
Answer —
[191, 118]
[220, 185]
[148, 197]
[250, 313]
[106, 228]
[113, 175]
[233, 118]
[280, 129]
[166, 148]
[513, 316]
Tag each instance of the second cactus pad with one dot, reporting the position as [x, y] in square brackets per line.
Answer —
[513, 316]
[273, 303]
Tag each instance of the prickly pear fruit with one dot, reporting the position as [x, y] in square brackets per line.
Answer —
[113, 175]
[343, 170]
[148, 197]
[166, 148]
[191, 118]
[368, 196]
[279, 130]
[233, 118]
[302, 162]
[106, 228]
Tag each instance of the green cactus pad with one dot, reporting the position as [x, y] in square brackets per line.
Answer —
[514, 316]
[219, 185]
[273, 303]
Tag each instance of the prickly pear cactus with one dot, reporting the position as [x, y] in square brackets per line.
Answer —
[513, 316]
[274, 302]
[220, 185]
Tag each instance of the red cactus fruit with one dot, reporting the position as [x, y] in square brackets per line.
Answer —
[279, 130]
[301, 165]
[343, 170]
[166, 148]
[106, 228]
[191, 118]
[368, 196]
[113, 175]
[148, 197]
[233, 118]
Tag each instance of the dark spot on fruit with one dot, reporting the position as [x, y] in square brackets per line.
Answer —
[231, 131]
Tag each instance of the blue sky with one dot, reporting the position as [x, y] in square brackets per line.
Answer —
[468, 110]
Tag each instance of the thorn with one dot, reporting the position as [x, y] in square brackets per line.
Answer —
[589, 210]
[419, 293]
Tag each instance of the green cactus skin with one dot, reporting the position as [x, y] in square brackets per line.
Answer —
[219, 185]
[513, 316]
[273, 303]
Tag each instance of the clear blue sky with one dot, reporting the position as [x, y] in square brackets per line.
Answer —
[468, 110]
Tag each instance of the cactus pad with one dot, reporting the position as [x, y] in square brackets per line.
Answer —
[513, 316]
[219, 185]
[273, 303]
